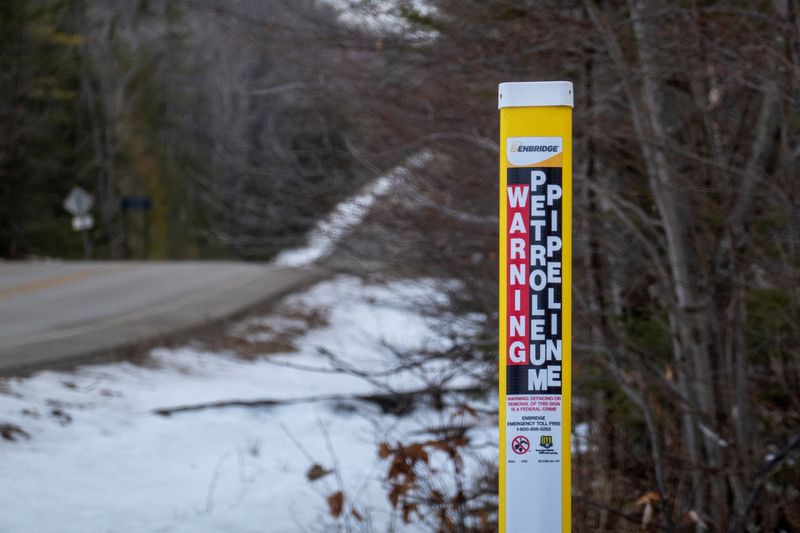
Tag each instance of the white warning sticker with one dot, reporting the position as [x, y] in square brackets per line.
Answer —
[533, 473]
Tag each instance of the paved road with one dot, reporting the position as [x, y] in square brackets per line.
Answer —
[52, 313]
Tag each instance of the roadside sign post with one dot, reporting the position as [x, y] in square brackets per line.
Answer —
[535, 345]
[78, 202]
[142, 204]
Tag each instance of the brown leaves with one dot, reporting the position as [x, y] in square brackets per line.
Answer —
[416, 452]
[336, 503]
[406, 457]
[648, 499]
[402, 466]
[336, 500]
[384, 450]
[336, 506]
[317, 471]
[398, 491]
[403, 476]
[409, 508]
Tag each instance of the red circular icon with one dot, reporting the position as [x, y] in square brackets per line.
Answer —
[520, 445]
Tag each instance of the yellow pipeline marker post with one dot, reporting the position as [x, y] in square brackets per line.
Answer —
[535, 306]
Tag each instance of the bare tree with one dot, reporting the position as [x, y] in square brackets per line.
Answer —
[686, 226]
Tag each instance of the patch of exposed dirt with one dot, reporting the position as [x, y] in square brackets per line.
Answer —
[265, 334]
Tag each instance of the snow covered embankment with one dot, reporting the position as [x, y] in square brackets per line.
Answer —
[347, 215]
[94, 455]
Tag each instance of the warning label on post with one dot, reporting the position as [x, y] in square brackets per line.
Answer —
[534, 333]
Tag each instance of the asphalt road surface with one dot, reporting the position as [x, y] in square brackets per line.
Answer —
[56, 313]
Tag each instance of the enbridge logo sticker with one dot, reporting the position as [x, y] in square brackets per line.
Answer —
[527, 151]
[518, 147]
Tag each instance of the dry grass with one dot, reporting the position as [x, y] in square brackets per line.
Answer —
[265, 334]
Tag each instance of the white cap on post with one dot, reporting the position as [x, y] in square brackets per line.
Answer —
[535, 94]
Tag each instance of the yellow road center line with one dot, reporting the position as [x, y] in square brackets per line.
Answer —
[55, 281]
[151, 310]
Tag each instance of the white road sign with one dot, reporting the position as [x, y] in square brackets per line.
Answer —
[82, 222]
[78, 202]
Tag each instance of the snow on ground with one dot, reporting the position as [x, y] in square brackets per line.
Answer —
[98, 458]
[347, 215]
